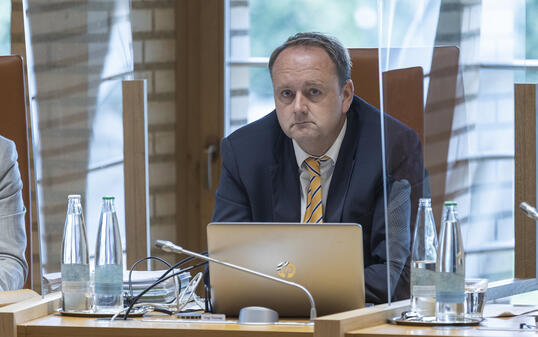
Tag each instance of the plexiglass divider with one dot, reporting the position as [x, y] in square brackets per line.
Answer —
[78, 53]
[459, 144]
[401, 68]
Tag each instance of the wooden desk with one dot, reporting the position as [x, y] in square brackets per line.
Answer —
[390, 330]
[61, 326]
[36, 317]
[14, 296]
[27, 308]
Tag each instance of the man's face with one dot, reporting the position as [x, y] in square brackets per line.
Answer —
[310, 104]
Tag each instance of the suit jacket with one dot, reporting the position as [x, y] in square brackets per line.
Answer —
[13, 266]
[260, 183]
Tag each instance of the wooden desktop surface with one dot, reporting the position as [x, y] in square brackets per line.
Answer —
[62, 326]
[491, 327]
[36, 317]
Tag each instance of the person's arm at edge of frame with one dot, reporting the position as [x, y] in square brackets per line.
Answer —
[13, 265]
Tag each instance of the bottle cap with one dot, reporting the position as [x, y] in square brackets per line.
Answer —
[73, 196]
[425, 201]
[108, 198]
[451, 203]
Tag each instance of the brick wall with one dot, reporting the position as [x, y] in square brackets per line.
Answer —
[153, 26]
[239, 74]
[70, 45]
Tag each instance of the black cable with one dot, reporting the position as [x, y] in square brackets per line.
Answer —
[208, 307]
[156, 283]
[162, 279]
[165, 311]
[185, 260]
[136, 263]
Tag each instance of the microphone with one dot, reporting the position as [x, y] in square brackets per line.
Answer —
[169, 247]
[529, 210]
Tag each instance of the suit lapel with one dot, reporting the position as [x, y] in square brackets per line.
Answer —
[343, 171]
[285, 183]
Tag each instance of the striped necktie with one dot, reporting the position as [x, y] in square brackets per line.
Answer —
[314, 205]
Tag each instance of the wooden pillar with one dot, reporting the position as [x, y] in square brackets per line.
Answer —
[525, 179]
[199, 115]
[135, 168]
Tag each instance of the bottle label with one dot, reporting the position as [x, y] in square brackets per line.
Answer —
[109, 279]
[106, 288]
[423, 291]
[423, 278]
[450, 288]
[75, 272]
[75, 286]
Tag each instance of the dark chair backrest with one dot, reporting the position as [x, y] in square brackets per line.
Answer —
[13, 125]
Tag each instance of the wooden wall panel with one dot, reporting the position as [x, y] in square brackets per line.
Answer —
[200, 114]
[135, 168]
[525, 179]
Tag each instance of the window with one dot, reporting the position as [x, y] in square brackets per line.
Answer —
[5, 29]
[256, 27]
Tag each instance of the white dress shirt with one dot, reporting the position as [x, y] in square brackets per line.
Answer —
[327, 169]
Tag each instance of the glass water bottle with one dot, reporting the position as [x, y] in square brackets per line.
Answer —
[450, 292]
[75, 266]
[423, 261]
[108, 261]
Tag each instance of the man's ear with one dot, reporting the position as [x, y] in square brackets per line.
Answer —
[347, 95]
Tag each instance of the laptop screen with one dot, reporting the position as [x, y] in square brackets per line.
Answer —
[326, 259]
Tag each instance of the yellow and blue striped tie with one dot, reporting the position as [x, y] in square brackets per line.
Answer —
[314, 205]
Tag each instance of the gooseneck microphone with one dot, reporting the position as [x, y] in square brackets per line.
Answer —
[169, 247]
[529, 210]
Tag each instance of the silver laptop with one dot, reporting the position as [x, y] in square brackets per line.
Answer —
[326, 259]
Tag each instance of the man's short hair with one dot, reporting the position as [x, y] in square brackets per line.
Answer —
[336, 51]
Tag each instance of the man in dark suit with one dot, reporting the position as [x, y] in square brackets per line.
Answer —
[318, 158]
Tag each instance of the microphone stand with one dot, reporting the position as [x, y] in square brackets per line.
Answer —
[533, 214]
[529, 211]
[169, 247]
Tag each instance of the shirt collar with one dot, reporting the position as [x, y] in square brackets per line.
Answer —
[332, 153]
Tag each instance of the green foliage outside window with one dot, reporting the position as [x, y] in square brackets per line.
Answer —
[5, 27]
[531, 39]
[532, 29]
[272, 22]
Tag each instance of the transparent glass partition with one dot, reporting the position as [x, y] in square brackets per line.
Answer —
[78, 53]
[461, 59]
